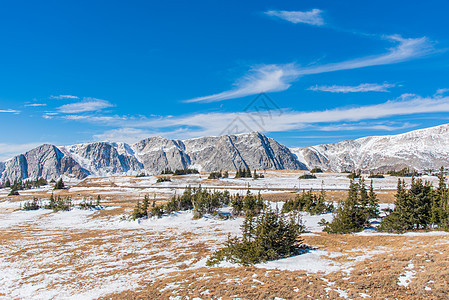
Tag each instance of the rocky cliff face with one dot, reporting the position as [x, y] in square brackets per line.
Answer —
[231, 152]
[45, 161]
[420, 149]
[151, 155]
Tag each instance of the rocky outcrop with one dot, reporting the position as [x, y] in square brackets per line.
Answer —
[231, 152]
[45, 161]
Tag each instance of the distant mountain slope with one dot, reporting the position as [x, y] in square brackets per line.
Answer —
[151, 155]
[419, 149]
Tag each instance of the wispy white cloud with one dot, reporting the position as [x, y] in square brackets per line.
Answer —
[361, 88]
[275, 78]
[268, 78]
[311, 17]
[35, 104]
[87, 105]
[440, 92]
[60, 97]
[11, 111]
[126, 134]
[384, 126]
[10, 150]
[341, 118]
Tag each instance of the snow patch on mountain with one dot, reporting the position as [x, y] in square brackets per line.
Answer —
[420, 149]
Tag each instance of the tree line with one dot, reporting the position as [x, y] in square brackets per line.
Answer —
[60, 204]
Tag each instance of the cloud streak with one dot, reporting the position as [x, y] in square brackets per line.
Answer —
[35, 104]
[361, 88]
[268, 78]
[342, 118]
[87, 105]
[276, 78]
[311, 17]
[61, 97]
[10, 111]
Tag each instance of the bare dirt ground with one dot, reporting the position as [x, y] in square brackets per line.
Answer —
[98, 254]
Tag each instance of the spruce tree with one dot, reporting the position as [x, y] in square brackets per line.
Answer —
[351, 215]
[59, 184]
[373, 203]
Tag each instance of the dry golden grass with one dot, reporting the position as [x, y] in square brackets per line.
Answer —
[162, 261]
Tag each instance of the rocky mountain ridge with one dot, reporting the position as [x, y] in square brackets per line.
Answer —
[151, 155]
[420, 149]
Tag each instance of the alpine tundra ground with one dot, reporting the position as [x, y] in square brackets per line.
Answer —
[86, 254]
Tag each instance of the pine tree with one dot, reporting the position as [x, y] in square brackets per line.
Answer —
[247, 172]
[59, 185]
[145, 204]
[413, 208]
[373, 203]
[439, 214]
[266, 236]
[351, 215]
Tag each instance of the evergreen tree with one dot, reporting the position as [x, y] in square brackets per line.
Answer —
[351, 215]
[267, 236]
[248, 172]
[59, 185]
[413, 208]
[373, 203]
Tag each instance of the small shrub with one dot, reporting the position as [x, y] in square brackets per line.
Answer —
[167, 171]
[307, 176]
[157, 211]
[13, 192]
[316, 170]
[215, 175]
[355, 174]
[405, 172]
[163, 179]
[31, 205]
[185, 172]
[376, 175]
[309, 202]
[59, 204]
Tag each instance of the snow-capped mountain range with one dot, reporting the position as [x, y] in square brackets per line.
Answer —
[420, 149]
[151, 155]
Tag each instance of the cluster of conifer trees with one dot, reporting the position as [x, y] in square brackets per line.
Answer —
[243, 173]
[218, 175]
[168, 171]
[419, 207]
[163, 179]
[18, 185]
[200, 200]
[247, 205]
[267, 235]
[246, 173]
[309, 202]
[354, 213]
[60, 204]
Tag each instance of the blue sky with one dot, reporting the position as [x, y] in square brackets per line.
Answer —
[79, 71]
